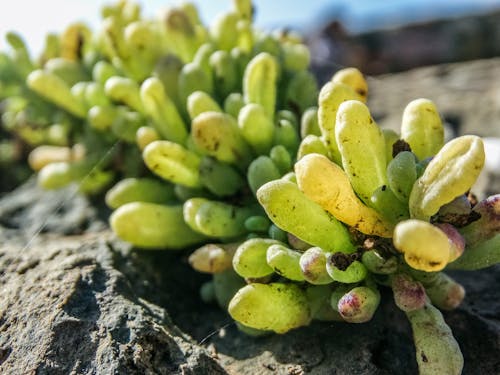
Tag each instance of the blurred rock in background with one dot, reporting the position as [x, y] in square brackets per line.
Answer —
[396, 49]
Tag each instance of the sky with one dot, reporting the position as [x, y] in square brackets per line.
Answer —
[34, 19]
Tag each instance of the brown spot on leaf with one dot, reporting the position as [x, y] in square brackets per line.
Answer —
[342, 261]
[400, 146]
[424, 357]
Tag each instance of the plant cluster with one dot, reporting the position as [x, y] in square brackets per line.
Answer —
[299, 204]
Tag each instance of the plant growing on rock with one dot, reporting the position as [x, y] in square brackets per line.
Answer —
[211, 138]
[365, 209]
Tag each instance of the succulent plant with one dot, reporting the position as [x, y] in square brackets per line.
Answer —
[217, 138]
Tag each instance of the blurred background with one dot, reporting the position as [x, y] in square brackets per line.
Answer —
[376, 37]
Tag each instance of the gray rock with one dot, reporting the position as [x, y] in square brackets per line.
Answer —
[69, 307]
[76, 304]
[29, 211]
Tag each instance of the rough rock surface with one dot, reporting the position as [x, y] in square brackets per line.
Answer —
[76, 304]
[88, 304]
[67, 308]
